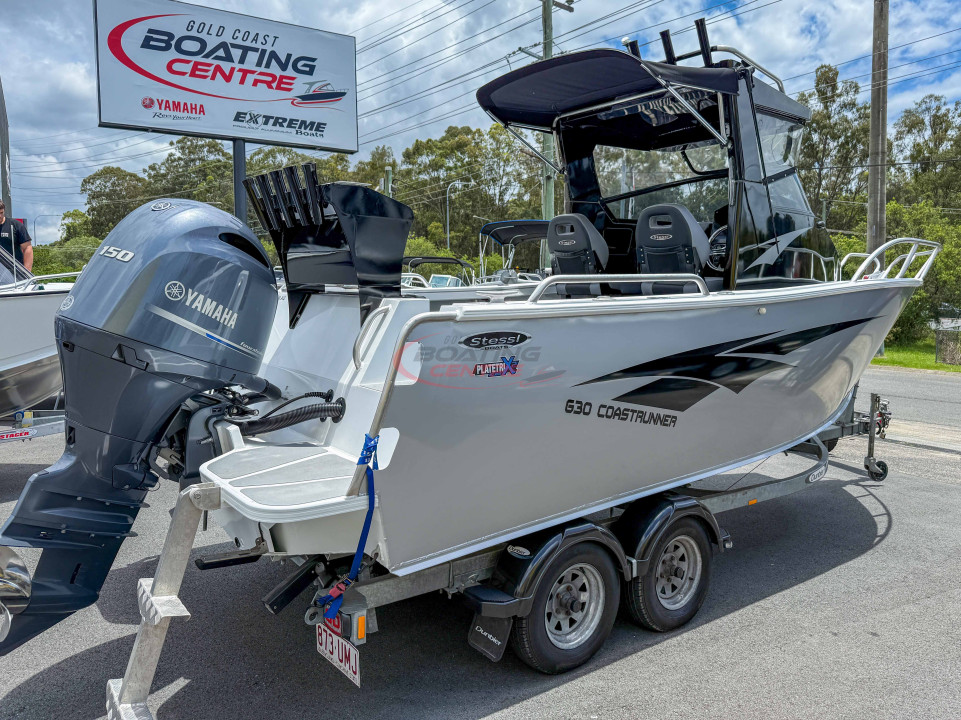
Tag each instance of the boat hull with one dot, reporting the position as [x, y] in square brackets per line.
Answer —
[29, 366]
[601, 409]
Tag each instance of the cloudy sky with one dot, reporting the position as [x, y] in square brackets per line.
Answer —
[419, 63]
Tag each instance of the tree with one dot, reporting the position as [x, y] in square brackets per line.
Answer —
[924, 134]
[832, 162]
[74, 224]
[198, 169]
[371, 171]
[112, 193]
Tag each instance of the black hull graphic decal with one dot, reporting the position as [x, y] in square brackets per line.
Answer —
[686, 378]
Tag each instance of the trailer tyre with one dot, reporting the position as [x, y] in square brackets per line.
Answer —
[672, 589]
[575, 604]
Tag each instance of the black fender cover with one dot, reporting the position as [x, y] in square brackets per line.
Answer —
[523, 563]
[645, 521]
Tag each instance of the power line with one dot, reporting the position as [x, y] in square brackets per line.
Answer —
[413, 26]
[870, 55]
[385, 17]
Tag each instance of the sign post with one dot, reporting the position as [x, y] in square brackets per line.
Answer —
[240, 174]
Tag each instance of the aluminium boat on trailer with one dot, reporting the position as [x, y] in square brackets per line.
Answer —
[679, 336]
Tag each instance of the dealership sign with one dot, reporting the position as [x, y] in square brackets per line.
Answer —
[179, 68]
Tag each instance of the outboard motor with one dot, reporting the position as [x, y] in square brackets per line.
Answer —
[178, 301]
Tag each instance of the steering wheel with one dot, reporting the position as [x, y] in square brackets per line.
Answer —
[718, 243]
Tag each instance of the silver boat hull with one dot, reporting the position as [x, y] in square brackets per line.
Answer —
[572, 408]
[29, 365]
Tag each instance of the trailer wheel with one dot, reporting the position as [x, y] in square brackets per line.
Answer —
[672, 589]
[829, 445]
[575, 604]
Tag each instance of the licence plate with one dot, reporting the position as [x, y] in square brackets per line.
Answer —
[341, 653]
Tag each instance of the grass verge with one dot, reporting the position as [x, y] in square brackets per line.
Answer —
[919, 355]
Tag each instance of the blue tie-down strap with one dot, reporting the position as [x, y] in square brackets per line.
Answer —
[332, 600]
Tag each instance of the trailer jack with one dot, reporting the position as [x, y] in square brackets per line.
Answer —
[159, 603]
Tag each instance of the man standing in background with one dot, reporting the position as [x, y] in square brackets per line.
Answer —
[15, 239]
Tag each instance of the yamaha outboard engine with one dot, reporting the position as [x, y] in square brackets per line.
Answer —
[178, 301]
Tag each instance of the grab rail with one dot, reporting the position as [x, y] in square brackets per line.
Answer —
[849, 256]
[358, 358]
[35, 279]
[681, 278]
[904, 260]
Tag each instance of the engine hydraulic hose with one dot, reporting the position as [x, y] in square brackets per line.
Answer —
[328, 410]
[327, 396]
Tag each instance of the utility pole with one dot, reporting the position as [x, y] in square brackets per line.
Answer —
[389, 181]
[547, 141]
[878, 150]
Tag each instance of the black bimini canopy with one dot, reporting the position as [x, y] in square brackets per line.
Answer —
[536, 94]
[515, 232]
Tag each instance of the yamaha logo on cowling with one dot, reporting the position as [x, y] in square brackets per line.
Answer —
[67, 303]
[161, 205]
[174, 290]
[178, 292]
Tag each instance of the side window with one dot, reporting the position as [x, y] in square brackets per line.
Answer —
[787, 193]
[780, 142]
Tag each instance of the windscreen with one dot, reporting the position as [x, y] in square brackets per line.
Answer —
[691, 175]
[10, 270]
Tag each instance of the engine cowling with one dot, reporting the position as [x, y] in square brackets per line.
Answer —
[178, 300]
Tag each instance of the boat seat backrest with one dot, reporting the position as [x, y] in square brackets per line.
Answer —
[670, 240]
[576, 247]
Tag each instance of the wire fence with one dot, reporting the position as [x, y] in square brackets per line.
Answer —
[947, 346]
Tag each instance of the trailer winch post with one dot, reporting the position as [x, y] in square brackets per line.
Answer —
[127, 698]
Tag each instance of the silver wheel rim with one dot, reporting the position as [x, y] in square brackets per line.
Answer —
[678, 572]
[574, 606]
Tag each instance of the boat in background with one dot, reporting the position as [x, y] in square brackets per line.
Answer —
[29, 366]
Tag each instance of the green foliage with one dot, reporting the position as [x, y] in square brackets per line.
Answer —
[919, 355]
[835, 147]
[64, 255]
[942, 286]
[74, 224]
[112, 194]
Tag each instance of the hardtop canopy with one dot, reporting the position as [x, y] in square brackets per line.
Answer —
[515, 232]
[536, 95]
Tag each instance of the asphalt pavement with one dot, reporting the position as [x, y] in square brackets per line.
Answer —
[842, 601]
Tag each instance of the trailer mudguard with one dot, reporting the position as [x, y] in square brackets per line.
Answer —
[523, 563]
[646, 520]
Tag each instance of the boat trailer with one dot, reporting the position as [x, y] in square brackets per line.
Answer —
[630, 533]
[30, 424]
